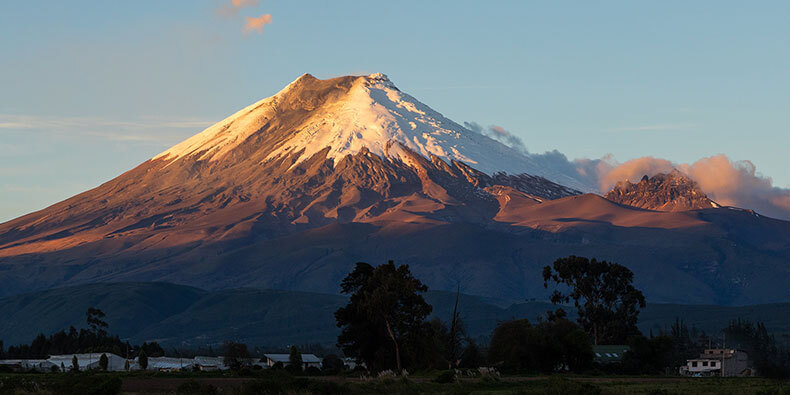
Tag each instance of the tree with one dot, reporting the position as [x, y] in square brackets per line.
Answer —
[471, 357]
[546, 347]
[295, 360]
[684, 346]
[606, 301]
[331, 363]
[142, 360]
[66, 342]
[103, 362]
[95, 319]
[771, 359]
[62, 367]
[236, 355]
[648, 355]
[386, 307]
[512, 345]
[153, 349]
[456, 335]
[75, 365]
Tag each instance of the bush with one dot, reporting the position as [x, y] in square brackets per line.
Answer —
[448, 376]
[192, 387]
[332, 363]
[545, 347]
[648, 356]
[326, 387]
[312, 371]
[563, 386]
[85, 384]
[103, 362]
[246, 371]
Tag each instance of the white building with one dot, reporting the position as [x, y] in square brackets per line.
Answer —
[210, 363]
[719, 362]
[89, 361]
[351, 363]
[170, 364]
[308, 360]
[40, 365]
[702, 367]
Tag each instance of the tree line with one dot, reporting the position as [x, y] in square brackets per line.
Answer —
[385, 326]
[93, 339]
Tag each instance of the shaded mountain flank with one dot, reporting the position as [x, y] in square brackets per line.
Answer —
[291, 191]
[275, 319]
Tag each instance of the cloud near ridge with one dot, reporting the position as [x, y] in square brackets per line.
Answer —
[726, 181]
[500, 134]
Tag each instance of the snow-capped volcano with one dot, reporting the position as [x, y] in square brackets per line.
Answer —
[290, 191]
[353, 113]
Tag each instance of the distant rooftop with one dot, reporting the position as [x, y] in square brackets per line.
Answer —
[285, 358]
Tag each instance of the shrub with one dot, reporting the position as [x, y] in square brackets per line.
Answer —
[312, 371]
[546, 347]
[192, 387]
[563, 386]
[448, 376]
[84, 384]
[103, 362]
[332, 363]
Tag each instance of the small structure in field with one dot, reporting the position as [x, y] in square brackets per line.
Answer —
[89, 361]
[210, 364]
[25, 365]
[610, 353]
[308, 360]
[722, 362]
[171, 364]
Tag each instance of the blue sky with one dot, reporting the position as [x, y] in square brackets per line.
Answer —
[91, 89]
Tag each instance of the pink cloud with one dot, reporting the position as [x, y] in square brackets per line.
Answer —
[632, 170]
[228, 10]
[728, 182]
[244, 3]
[257, 23]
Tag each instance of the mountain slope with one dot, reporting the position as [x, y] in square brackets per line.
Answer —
[258, 201]
[272, 318]
[347, 115]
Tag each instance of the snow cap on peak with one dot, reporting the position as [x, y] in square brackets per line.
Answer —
[365, 112]
[378, 76]
[379, 79]
[306, 76]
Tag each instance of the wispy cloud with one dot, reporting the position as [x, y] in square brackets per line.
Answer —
[459, 87]
[154, 130]
[727, 181]
[500, 134]
[257, 23]
[656, 127]
[251, 24]
[229, 10]
[14, 125]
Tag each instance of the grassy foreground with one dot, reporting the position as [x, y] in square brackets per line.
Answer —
[283, 383]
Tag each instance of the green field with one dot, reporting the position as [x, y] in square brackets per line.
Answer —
[278, 382]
